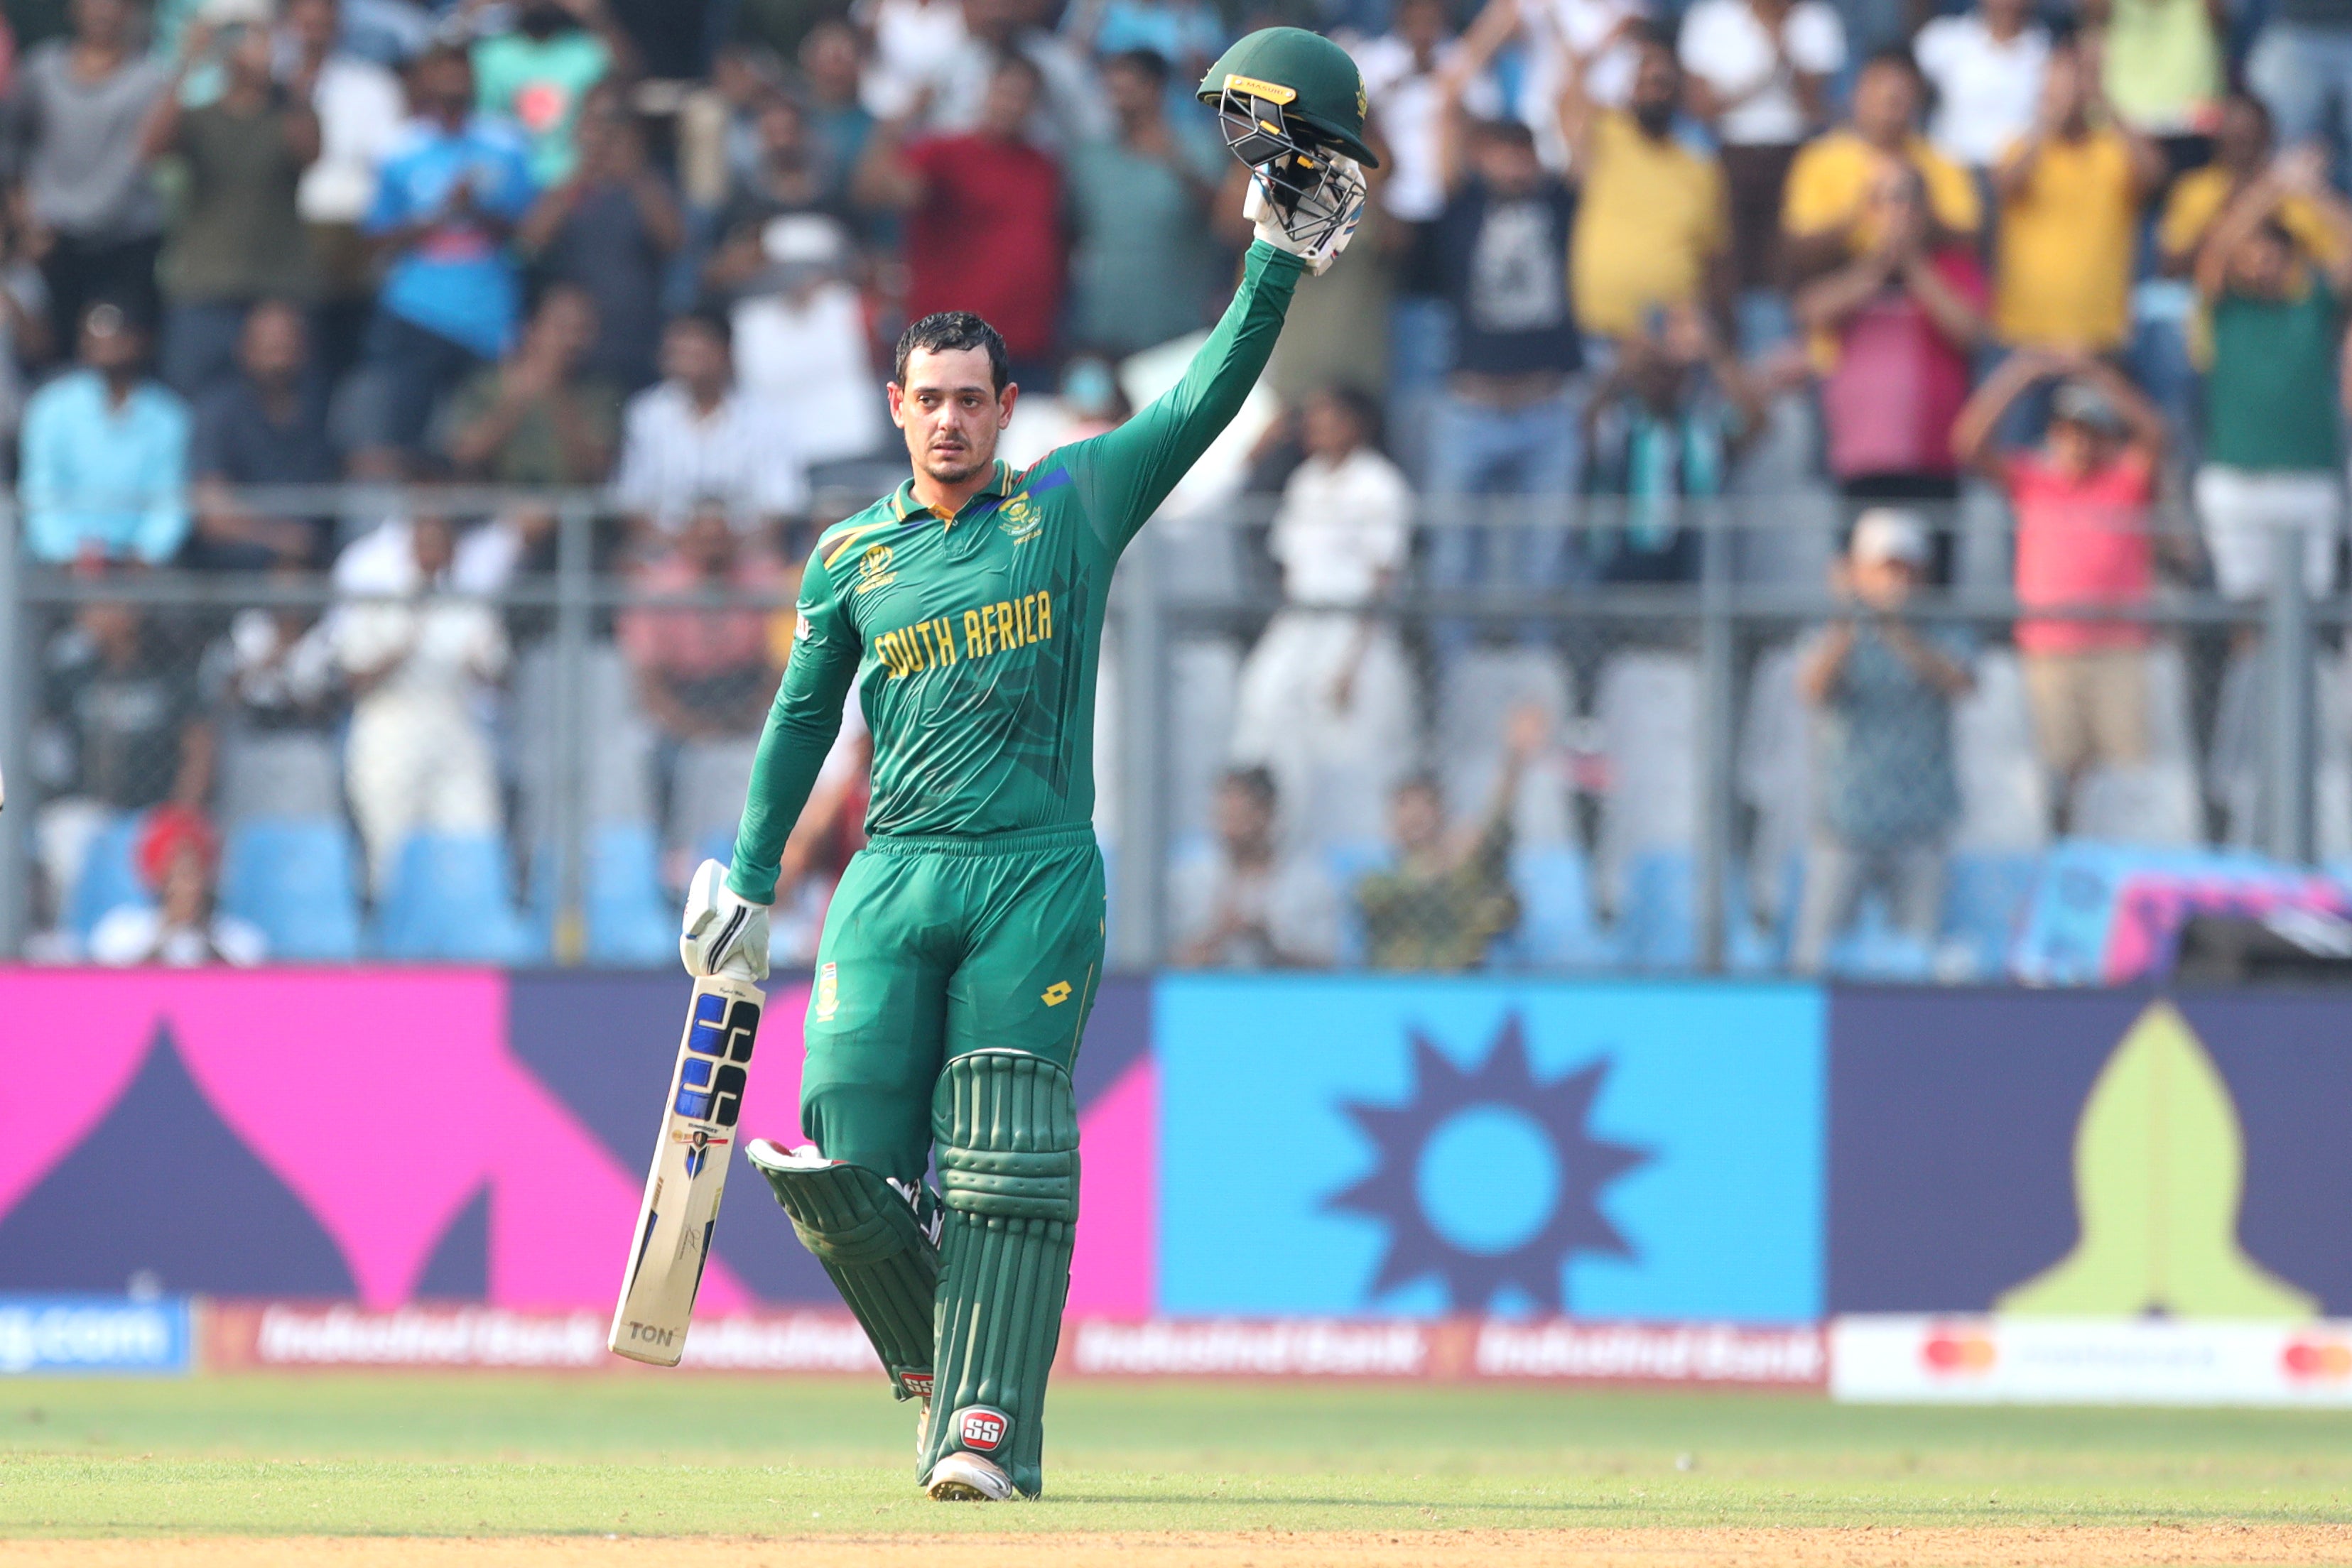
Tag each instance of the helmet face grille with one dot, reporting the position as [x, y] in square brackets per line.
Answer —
[1256, 129]
[1290, 163]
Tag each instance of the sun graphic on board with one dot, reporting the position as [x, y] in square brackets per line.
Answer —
[1486, 1179]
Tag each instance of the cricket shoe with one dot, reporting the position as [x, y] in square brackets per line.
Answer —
[960, 1477]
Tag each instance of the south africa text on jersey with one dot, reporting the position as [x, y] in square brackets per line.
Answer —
[988, 629]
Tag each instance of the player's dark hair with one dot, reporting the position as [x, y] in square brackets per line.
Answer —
[1148, 64]
[946, 332]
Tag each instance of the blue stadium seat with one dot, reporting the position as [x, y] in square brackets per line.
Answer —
[1658, 929]
[449, 899]
[1875, 950]
[629, 920]
[1985, 896]
[1751, 947]
[109, 879]
[295, 878]
[1556, 926]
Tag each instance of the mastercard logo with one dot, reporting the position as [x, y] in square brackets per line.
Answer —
[1957, 1351]
[2320, 1360]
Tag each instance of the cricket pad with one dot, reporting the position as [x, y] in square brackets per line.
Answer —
[1006, 1124]
[876, 1250]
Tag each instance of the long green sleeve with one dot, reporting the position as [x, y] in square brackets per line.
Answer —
[1123, 475]
[802, 724]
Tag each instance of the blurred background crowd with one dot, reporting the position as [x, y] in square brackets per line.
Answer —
[2007, 342]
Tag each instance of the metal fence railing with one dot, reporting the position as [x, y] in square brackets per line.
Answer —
[522, 763]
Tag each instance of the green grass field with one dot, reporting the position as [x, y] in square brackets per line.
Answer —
[687, 1454]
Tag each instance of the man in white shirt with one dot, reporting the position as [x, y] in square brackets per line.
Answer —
[1986, 65]
[1243, 905]
[1071, 110]
[696, 436]
[178, 857]
[1759, 72]
[801, 343]
[1400, 80]
[1325, 701]
[419, 755]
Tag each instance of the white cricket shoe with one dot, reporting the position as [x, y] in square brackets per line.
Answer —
[960, 1477]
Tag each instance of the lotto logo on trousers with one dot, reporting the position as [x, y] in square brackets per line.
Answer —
[980, 1428]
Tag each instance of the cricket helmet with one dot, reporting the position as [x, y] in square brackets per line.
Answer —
[1285, 94]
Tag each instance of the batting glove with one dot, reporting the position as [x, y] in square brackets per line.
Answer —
[724, 932]
[1316, 227]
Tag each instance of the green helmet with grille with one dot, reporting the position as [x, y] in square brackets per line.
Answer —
[1284, 94]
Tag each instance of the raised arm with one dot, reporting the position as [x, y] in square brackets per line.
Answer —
[802, 724]
[1124, 475]
[1972, 431]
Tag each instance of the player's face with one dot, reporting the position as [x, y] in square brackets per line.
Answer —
[952, 413]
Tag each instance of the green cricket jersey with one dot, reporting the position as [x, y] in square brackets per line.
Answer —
[974, 639]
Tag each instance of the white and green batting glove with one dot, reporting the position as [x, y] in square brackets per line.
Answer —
[724, 932]
[1316, 226]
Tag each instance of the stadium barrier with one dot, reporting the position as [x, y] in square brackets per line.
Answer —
[1661, 825]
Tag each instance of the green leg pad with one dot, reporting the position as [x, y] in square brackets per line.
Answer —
[876, 1250]
[1006, 1126]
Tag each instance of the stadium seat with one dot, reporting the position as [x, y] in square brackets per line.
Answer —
[297, 879]
[617, 785]
[1480, 688]
[2004, 797]
[1647, 705]
[449, 898]
[280, 775]
[1657, 924]
[1556, 926]
[1773, 772]
[629, 920]
[109, 878]
[1985, 896]
[2151, 806]
[1203, 674]
[707, 792]
[1872, 949]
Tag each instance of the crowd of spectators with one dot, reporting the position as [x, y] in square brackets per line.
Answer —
[2091, 260]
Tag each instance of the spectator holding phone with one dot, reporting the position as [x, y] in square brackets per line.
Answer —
[1885, 688]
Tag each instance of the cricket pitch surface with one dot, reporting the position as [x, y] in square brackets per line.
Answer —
[490, 1470]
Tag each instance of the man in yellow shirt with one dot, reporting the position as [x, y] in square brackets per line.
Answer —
[1827, 216]
[2070, 193]
[2243, 145]
[1653, 227]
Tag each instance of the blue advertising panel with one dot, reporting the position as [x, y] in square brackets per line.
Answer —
[1340, 1146]
[94, 1334]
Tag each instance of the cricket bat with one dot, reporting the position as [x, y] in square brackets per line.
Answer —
[672, 1240]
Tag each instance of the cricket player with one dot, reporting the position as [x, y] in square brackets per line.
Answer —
[962, 948]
